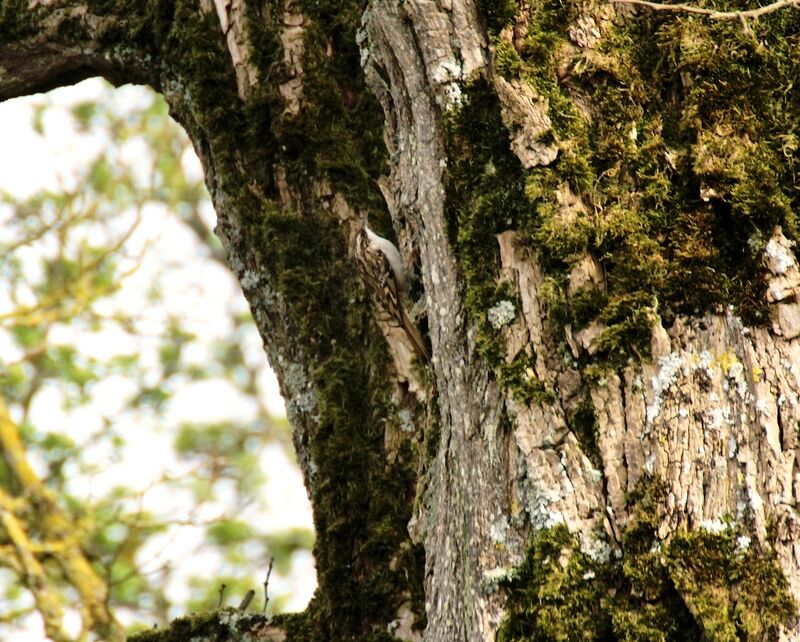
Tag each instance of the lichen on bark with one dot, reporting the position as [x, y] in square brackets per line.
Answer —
[696, 585]
[670, 209]
[278, 179]
[673, 133]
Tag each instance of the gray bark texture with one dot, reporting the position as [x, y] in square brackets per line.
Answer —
[596, 205]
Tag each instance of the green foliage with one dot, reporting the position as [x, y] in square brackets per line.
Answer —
[79, 341]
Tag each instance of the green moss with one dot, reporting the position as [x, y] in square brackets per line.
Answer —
[18, 21]
[685, 166]
[507, 62]
[555, 594]
[695, 586]
[365, 568]
[498, 13]
[583, 424]
[224, 624]
[520, 379]
[733, 593]
[366, 565]
[339, 132]
[485, 196]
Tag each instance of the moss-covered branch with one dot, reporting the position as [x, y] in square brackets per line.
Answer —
[42, 518]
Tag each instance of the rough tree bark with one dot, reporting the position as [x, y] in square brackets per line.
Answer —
[597, 204]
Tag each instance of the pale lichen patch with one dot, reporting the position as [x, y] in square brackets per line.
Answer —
[501, 314]
[669, 370]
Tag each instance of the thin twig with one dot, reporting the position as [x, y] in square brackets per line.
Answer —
[266, 586]
[713, 13]
[222, 588]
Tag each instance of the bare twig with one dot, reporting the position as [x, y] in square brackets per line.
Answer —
[713, 13]
[266, 585]
[221, 594]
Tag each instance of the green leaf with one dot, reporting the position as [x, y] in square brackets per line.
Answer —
[230, 532]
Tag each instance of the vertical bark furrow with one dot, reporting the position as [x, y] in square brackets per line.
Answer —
[428, 53]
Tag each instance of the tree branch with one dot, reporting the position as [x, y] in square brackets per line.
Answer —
[713, 13]
[41, 49]
[34, 576]
[52, 524]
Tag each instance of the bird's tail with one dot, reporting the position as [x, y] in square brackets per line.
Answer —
[414, 337]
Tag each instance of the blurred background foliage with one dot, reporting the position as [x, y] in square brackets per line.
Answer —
[143, 463]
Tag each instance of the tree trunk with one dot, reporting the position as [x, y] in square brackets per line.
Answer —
[596, 203]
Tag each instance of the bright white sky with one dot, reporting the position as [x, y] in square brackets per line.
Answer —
[198, 290]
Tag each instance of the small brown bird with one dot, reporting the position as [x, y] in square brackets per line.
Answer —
[382, 269]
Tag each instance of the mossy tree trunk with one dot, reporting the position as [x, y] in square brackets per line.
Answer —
[598, 207]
